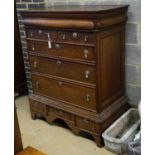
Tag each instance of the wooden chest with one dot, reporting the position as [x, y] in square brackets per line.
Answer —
[76, 55]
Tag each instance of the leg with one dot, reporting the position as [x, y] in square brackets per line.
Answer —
[98, 140]
[33, 115]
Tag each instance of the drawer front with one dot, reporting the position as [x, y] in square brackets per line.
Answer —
[38, 107]
[82, 53]
[75, 71]
[40, 34]
[65, 115]
[76, 37]
[86, 124]
[61, 114]
[64, 91]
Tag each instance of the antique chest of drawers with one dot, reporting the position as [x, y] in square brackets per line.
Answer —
[76, 56]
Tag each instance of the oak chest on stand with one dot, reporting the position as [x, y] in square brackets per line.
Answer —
[76, 56]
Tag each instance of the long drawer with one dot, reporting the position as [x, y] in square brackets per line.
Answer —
[74, 71]
[62, 50]
[64, 91]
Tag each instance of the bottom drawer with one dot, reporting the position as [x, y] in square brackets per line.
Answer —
[38, 107]
[67, 92]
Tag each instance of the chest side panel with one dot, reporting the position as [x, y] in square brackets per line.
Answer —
[111, 66]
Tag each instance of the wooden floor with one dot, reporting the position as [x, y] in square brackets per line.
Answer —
[30, 151]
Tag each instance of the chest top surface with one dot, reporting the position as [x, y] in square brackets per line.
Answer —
[91, 11]
[77, 9]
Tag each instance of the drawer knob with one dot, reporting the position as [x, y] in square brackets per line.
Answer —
[57, 45]
[74, 35]
[35, 64]
[59, 62]
[37, 84]
[85, 38]
[31, 34]
[85, 53]
[40, 32]
[60, 83]
[33, 48]
[88, 97]
[87, 73]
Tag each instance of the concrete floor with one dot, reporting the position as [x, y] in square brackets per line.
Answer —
[52, 139]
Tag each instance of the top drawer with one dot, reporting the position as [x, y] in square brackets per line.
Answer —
[40, 34]
[76, 37]
[61, 36]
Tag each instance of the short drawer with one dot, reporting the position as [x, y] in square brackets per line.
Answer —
[51, 111]
[69, 93]
[38, 107]
[74, 71]
[60, 114]
[86, 124]
[61, 50]
[40, 34]
[76, 37]
[65, 115]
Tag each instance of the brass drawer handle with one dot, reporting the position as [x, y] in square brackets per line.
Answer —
[37, 84]
[60, 83]
[59, 62]
[35, 64]
[88, 97]
[33, 48]
[57, 45]
[87, 73]
[63, 37]
[86, 53]
[75, 35]
[85, 38]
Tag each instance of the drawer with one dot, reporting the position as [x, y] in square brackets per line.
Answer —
[86, 124]
[64, 91]
[60, 114]
[82, 53]
[38, 107]
[76, 37]
[40, 34]
[52, 111]
[74, 71]
[65, 115]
